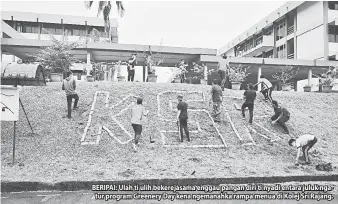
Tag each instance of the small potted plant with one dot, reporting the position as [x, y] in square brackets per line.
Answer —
[327, 83]
[237, 75]
[307, 88]
[285, 74]
[327, 79]
[90, 77]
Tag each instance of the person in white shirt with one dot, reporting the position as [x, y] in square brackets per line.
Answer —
[138, 114]
[303, 143]
[266, 88]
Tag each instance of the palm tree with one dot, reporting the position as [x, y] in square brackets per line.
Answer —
[105, 8]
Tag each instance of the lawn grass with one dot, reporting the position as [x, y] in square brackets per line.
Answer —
[54, 153]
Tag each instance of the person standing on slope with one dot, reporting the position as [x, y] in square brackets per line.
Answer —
[182, 117]
[69, 86]
[249, 96]
[131, 67]
[223, 78]
[266, 88]
[216, 99]
[138, 113]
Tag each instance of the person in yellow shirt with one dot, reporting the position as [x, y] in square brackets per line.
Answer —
[138, 113]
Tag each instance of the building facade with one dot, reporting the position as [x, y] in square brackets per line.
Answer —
[305, 30]
[27, 25]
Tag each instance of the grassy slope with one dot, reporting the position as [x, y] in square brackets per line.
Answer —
[55, 154]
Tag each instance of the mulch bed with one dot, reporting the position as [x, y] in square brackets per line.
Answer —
[54, 153]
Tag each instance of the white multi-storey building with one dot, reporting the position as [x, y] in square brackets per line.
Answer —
[305, 30]
[37, 26]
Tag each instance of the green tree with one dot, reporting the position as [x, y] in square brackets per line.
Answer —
[57, 57]
[105, 9]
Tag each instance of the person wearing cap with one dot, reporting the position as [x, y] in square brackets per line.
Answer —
[138, 113]
[216, 98]
[69, 86]
[182, 117]
[266, 88]
[282, 115]
[249, 96]
[131, 67]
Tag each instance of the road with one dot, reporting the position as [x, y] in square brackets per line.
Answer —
[84, 197]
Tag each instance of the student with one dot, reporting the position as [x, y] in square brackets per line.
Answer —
[304, 142]
[138, 112]
[182, 117]
[266, 88]
[69, 86]
[249, 96]
[183, 69]
[282, 115]
[223, 78]
[131, 67]
[216, 98]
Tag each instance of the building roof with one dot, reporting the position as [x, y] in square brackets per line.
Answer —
[55, 18]
[102, 52]
[267, 21]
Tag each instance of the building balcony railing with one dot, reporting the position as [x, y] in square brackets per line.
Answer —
[291, 30]
[291, 56]
[264, 45]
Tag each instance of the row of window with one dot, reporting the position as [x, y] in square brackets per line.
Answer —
[56, 29]
[253, 42]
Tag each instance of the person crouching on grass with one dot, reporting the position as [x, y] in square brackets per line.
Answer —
[69, 86]
[282, 115]
[249, 96]
[182, 117]
[138, 113]
[303, 143]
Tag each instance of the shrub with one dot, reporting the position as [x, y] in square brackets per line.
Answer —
[285, 74]
[237, 74]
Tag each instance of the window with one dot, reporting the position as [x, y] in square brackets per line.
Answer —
[268, 31]
[28, 27]
[280, 30]
[75, 30]
[269, 54]
[54, 29]
[333, 5]
[333, 33]
[281, 51]
[259, 39]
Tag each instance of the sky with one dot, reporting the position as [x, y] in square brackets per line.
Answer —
[194, 24]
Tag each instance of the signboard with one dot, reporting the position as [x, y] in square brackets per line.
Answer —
[9, 100]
